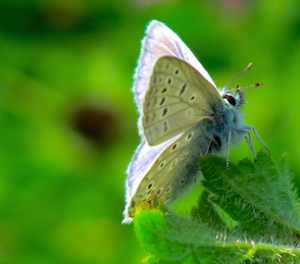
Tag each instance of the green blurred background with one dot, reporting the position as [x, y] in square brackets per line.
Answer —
[68, 120]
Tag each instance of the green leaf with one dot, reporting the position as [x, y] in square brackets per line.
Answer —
[247, 213]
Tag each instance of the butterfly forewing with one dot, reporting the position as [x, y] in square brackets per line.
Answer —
[160, 40]
[178, 98]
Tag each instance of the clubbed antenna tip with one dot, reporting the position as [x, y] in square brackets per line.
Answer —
[250, 86]
[259, 84]
[247, 69]
[249, 66]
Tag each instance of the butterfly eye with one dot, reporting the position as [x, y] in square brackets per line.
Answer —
[230, 99]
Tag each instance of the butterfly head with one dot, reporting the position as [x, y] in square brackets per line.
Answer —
[233, 99]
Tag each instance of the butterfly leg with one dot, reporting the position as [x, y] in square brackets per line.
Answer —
[228, 147]
[209, 147]
[249, 142]
[258, 137]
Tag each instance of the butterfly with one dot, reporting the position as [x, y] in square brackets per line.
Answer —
[182, 115]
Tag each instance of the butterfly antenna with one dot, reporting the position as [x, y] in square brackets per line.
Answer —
[250, 86]
[247, 69]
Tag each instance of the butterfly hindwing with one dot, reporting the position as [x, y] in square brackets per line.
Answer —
[178, 98]
[143, 159]
[176, 168]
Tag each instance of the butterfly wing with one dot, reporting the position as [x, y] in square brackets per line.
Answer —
[141, 163]
[175, 169]
[158, 41]
[143, 160]
[171, 164]
[178, 98]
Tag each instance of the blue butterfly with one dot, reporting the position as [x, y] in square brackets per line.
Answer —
[182, 116]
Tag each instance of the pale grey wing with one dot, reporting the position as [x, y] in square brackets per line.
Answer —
[142, 161]
[178, 98]
[175, 169]
[158, 41]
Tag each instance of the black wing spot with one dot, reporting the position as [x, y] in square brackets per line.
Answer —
[165, 127]
[173, 163]
[168, 190]
[165, 111]
[182, 89]
[176, 72]
[162, 101]
[169, 81]
[164, 90]
[159, 191]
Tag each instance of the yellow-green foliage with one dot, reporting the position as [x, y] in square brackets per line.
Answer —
[257, 197]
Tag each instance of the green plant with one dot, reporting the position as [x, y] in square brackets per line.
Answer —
[248, 213]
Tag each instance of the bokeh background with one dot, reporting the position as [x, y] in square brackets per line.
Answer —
[68, 120]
